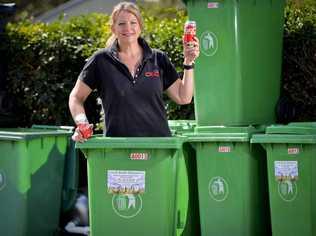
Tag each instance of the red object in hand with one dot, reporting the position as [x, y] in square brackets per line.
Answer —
[189, 31]
[85, 130]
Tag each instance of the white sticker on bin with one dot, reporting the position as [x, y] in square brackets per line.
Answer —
[286, 170]
[126, 181]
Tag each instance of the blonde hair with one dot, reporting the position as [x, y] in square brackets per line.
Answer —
[123, 6]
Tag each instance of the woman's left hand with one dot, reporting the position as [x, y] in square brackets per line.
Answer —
[191, 51]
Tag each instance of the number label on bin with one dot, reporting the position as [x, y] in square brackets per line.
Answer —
[212, 5]
[293, 151]
[224, 149]
[139, 156]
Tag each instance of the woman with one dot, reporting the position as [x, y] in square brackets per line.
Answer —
[130, 78]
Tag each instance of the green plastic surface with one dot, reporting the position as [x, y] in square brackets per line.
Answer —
[237, 75]
[108, 142]
[291, 152]
[230, 129]
[31, 176]
[304, 128]
[283, 138]
[71, 169]
[232, 183]
[292, 200]
[304, 132]
[30, 133]
[163, 208]
[222, 133]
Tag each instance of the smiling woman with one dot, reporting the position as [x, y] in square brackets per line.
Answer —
[130, 78]
[126, 29]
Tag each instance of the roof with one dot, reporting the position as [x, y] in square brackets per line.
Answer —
[78, 7]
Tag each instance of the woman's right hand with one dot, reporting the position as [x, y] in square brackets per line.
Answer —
[82, 132]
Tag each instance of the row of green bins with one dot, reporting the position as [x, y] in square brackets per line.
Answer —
[137, 186]
[291, 158]
[239, 69]
[31, 176]
[232, 185]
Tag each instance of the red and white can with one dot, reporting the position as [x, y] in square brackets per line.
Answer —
[189, 31]
[85, 130]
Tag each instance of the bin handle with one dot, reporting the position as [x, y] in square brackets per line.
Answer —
[70, 128]
[254, 1]
[180, 223]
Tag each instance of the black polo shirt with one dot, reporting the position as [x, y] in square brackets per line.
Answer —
[133, 106]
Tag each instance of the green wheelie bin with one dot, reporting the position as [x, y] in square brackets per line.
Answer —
[137, 186]
[291, 158]
[31, 176]
[238, 71]
[232, 183]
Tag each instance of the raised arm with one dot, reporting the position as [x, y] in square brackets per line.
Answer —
[181, 91]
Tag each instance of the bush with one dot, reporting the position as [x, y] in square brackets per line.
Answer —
[298, 94]
[44, 62]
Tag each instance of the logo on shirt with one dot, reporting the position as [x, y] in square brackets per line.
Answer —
[152, 74]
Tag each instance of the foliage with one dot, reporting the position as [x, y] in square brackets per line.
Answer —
[44, 62]
[298, 101]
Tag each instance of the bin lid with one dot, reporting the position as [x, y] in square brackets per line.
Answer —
[32, 133]
[283, 138]
[299, 128]
[223, 133]
[99, 141]
[296, 132]
[54, 127]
